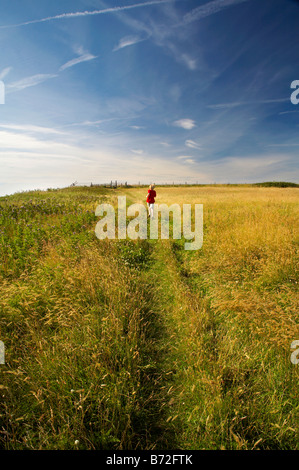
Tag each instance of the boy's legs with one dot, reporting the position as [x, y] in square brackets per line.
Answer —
[151, 210]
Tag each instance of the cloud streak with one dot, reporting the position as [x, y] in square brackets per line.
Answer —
[209, 9]
[186, 159]
[27, 82]
[137, 151]
[193, 145]
[5, 72]
[89, 13]
[31, 128]
[128, 41]
[242, 103]
[34, 80]
[77, 60]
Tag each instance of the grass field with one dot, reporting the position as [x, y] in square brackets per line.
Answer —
[121, 344]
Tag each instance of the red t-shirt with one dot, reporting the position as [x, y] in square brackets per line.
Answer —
[151, 196]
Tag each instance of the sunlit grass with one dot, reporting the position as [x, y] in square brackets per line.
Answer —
[122, 344]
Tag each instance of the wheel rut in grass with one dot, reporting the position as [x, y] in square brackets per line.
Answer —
[151, 421]
[170, 315]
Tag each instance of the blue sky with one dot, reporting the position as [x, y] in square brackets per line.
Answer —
[148, 91]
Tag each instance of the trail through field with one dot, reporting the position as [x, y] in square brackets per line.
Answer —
[185, 321]
[171, 330]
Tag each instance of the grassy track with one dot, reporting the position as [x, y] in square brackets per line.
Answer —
[140, 344]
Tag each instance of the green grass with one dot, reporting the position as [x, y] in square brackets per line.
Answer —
[122, 344]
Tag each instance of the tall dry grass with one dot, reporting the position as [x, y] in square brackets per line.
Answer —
[130, 345]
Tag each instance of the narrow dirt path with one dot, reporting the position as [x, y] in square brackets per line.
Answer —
[184, 358]
[176, 358]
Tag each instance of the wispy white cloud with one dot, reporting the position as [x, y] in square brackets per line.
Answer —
[227, 105]
[283, 145]
[251, 168]
[160, 34]
[31, 129]
[25, 142]
[186, 159]
[5, 72]
[251, 162]
[193, 145]
[34, 80]
[95, 123]
[242, 103]
[180, 57]
[137, 151]
[209, 9]
[128, 41]
[288, 112]
[185, 123]
[79, 14]
[27, 82]
[82, 58]
[191, 63]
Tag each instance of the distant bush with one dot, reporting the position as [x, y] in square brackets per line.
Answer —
[278, 184]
